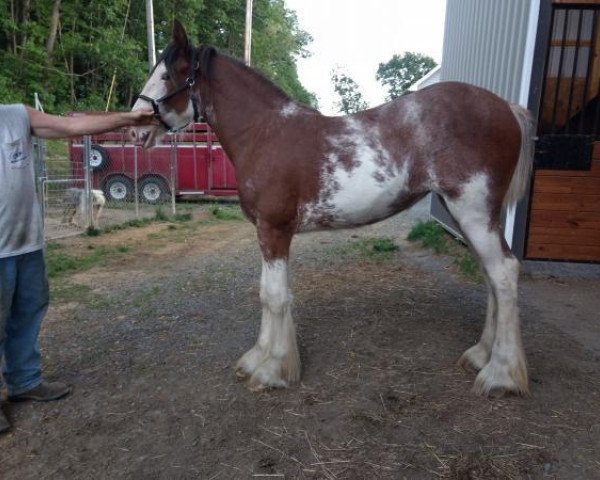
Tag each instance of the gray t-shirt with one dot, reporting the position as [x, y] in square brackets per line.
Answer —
[21, 229]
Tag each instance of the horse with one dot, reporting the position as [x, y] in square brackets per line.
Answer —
[298, 170]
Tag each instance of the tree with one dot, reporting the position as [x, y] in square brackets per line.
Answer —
[68, 50]
[400, 72]
[277, 40]
[351, 100]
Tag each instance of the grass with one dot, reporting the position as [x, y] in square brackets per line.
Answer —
[159, 216]
[376, 248]
[66, 292]
[59, 263]
[431, 235]
[183, 217]
[218, 212]
[221, 212]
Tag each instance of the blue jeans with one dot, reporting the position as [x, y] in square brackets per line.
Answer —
[23, 304]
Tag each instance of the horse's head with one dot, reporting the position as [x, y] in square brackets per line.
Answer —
[170, 89]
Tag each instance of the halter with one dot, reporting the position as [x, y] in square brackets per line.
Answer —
[187, 85]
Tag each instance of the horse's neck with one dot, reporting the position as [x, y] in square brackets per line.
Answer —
[239, 104]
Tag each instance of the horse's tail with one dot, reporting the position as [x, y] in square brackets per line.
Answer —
[520, 180]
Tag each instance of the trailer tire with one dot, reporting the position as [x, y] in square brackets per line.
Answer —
[118, 188]
[99, 157]
[154, 190]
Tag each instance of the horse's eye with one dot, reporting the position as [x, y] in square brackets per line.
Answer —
[165, 77]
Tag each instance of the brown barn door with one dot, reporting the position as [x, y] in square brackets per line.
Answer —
[564, 221]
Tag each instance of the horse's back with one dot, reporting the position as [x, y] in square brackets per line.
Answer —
[376, 162]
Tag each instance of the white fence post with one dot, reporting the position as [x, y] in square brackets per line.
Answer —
[136, 192]
[87, 150]
[173, 173]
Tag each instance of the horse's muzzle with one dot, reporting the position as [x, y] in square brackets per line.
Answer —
[146, 136]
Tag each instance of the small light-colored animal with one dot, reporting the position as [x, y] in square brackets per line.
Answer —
[76, 203]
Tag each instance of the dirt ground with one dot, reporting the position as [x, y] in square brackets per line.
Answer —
[150, 348]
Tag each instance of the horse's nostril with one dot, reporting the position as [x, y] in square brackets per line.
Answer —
[138, 136]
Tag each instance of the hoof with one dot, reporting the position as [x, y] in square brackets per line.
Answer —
[475, 358]
[496, 380]
[241, 374]
[263, 371]
[268, 375]
[249, 362]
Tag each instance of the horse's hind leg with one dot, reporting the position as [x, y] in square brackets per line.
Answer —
[479, 354]
[274, 360]
[506, 369]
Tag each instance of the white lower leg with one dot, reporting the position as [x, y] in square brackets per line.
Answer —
[274, 360]
[507, 369]
[479, 354]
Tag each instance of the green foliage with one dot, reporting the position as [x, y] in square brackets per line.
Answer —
[226, 213]
[59, 263]
[381, 245]
[431, 235]
[376, 248]
[92, 232]
[96, 40]
[351, 100]
[400, 72]
[135, 223]
[160, 215]
[183, 217]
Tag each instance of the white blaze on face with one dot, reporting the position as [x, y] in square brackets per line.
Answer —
[363, 188]
[156, 87]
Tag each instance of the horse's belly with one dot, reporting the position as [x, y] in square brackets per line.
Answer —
[362, 196]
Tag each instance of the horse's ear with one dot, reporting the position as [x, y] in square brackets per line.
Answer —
[179, 36]
[205, 55]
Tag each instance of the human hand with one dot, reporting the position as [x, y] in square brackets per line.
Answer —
[141, 117]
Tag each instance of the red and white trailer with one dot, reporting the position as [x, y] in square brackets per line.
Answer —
[192, 162]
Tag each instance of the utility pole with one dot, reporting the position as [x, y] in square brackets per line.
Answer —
[248, 36]
[150, 34]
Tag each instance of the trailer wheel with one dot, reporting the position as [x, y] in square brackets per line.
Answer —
[153, 190]
[118, 188]
[98, 157]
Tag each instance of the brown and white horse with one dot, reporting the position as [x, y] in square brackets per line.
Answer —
[298, 170]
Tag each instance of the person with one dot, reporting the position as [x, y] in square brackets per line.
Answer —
[23, 282]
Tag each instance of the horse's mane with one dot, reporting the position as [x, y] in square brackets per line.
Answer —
[205, 54]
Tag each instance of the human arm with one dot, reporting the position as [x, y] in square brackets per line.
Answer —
[44, 125]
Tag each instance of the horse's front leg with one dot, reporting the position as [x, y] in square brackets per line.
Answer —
[274, 360]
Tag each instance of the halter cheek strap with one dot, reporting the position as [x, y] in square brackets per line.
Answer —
[157, 115]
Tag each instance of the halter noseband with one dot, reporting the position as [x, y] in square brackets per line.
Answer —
[187, 85]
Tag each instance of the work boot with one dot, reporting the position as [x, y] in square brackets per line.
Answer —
[44, 392]
[4, 423]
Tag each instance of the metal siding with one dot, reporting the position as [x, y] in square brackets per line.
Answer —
[484, 44]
